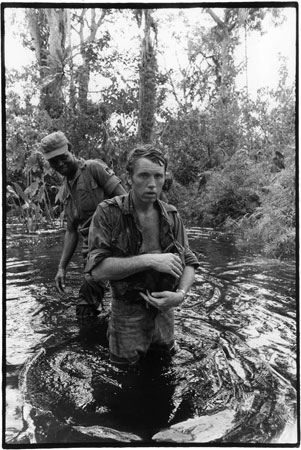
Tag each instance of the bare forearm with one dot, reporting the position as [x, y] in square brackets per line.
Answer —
[70, 244]
[187, 278]
[168, 299]
[119, 268]
[113, 268]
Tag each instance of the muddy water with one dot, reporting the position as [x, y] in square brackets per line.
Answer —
[250, 297]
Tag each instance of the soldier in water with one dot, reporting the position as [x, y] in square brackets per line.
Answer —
[139, 244]
[86, 182]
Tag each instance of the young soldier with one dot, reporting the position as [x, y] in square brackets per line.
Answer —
[139, 244]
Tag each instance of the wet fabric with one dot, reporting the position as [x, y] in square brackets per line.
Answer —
[115, 232]
[91, 296]
[137, 327]
[94, 181]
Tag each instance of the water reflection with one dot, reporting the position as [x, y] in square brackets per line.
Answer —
[250, 298]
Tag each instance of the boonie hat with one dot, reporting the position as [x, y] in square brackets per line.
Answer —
[54, 144]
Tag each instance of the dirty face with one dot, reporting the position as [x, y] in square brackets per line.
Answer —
[64, 164]
[147, 180]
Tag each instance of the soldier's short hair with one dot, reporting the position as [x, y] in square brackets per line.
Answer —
[145, 151]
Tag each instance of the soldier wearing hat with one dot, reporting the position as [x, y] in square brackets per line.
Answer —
[87, 183]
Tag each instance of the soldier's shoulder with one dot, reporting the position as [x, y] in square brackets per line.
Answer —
[113, 202]
[98, 165]
[94, 162]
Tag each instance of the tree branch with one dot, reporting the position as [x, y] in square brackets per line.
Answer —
[103, 14]
[173, 90]
[215, 17]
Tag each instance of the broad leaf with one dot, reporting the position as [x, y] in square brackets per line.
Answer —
[11, 191]
[32, 189]
[20, 192]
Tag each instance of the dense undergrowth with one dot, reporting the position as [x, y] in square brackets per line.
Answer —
[232, 157]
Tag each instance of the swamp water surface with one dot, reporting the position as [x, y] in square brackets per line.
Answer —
[232, 379]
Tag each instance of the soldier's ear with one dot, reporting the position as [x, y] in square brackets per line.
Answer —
[129, 179]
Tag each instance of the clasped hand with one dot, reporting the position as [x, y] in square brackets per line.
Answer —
[162, 300]
[167, 263]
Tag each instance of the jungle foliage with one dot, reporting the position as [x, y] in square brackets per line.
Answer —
[232, 157]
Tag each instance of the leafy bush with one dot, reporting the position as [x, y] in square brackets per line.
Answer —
[232, 157]
[271, 226]
[231, 192]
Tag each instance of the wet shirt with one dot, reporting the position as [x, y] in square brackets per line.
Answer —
[115, 232]
[94, 181]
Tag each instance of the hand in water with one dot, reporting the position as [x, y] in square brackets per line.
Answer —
[60, 280]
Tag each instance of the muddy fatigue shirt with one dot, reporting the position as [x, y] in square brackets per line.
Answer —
[115, 232]
[94, 181]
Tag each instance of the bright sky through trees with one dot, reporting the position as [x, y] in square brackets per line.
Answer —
[263, 51]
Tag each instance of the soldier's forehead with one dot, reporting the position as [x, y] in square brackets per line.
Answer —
[147, 163]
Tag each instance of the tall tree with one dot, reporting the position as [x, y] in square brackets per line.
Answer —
[48, 32]
[87, 32]
[224, 35]
[148, 72]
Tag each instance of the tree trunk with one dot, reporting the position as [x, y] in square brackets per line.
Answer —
[225, 33]
[72, 90]
[83, 78]
[52, 91]
[47, 29]
[222, 63]
[83, 75]
[147, 88]
[34, 29]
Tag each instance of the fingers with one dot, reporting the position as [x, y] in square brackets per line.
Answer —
[158, 294]
[173, 264]
[147, 299]
[60, 281]
[176, 266]
[60, 285]
[60, 288]
[155, 299]
[177, 259]
[144, 296]
[167, 262]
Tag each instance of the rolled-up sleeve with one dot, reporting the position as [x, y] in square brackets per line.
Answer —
[105, 177]
[181, 237]
[100, 237]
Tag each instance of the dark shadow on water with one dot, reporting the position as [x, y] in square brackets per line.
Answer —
[251, 297]
[143, 403]
[137, 400]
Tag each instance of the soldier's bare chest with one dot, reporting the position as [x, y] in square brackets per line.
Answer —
[150, 229]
